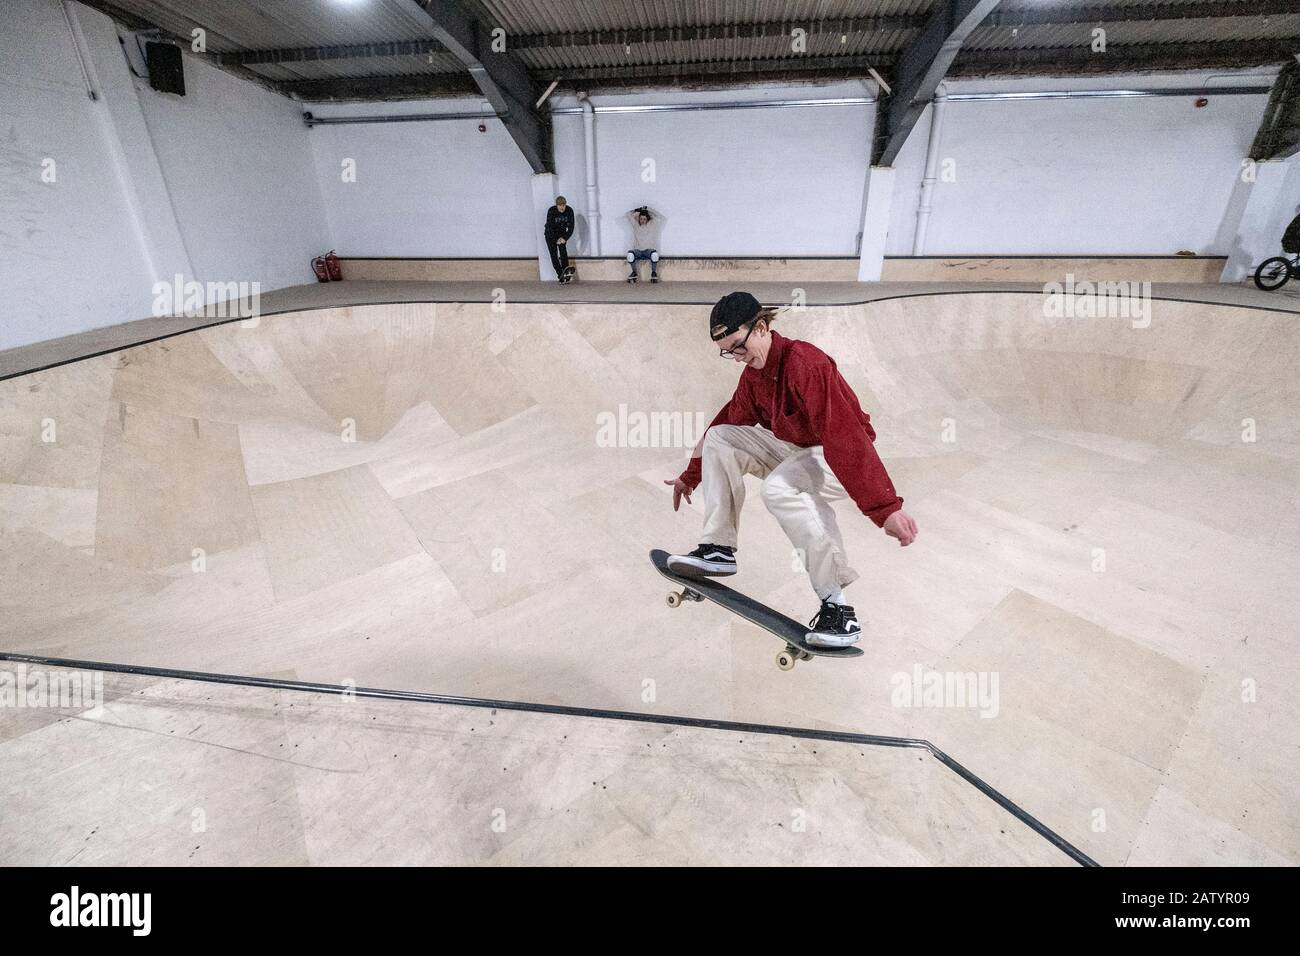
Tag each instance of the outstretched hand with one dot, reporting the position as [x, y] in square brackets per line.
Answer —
[901, 526]
[680, 490]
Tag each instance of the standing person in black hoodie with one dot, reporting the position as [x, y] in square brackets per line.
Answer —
[1291, 237]
[559, 227]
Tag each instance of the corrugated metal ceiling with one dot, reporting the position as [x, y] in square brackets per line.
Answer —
[573, 16]
[551, 37]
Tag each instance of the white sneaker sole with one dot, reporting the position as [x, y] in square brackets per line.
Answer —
[688, 565]
[814, 639]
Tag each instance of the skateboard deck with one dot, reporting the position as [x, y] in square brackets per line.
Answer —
[790, 631]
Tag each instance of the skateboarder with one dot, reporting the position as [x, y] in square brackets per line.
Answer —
[559, 227]
[646, 227]
[795, 423]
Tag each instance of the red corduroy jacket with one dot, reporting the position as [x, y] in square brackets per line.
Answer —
[800, 396]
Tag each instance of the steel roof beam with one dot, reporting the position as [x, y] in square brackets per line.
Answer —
[502, 80]
[922, 66]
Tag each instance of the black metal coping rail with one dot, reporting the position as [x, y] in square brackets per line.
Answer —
[706, 723]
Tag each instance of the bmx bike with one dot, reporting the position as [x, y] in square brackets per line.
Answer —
[1273, 273]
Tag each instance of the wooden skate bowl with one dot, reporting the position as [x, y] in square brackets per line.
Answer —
[420, 497]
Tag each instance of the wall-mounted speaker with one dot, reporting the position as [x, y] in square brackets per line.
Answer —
[166, 71]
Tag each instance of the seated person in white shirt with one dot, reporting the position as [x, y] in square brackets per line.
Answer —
[646, 225]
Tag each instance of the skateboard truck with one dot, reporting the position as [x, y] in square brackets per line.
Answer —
[791, 656]
[784, 660]
[675, 598]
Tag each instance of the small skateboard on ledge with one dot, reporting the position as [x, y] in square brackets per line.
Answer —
[789, 631]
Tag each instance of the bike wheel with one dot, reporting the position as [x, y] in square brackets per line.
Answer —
[1273, 273]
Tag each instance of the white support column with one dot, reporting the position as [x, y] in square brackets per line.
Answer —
[545, 189]
[126, 137]
[879, 196]
[1269, 207]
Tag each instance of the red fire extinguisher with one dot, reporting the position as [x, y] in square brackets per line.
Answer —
[328, 268]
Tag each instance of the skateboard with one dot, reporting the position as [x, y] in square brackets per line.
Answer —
[790, 631]
[570, 274]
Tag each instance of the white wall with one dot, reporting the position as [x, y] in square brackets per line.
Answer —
[423, 189]
[744, 182]
[1111, 176]
[239, 170]
[1107, 176]
[218, 185]
[68, 259]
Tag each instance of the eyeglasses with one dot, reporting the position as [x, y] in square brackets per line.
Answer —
[739, 348]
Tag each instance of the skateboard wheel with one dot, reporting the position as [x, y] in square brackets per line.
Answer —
[674, 599]
[786, 661]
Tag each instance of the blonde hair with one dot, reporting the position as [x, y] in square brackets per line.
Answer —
[766, 313]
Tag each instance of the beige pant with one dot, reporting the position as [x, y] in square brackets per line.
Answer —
[797, 484]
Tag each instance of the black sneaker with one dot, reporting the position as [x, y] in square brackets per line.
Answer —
[835, 625]
[708, 559]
